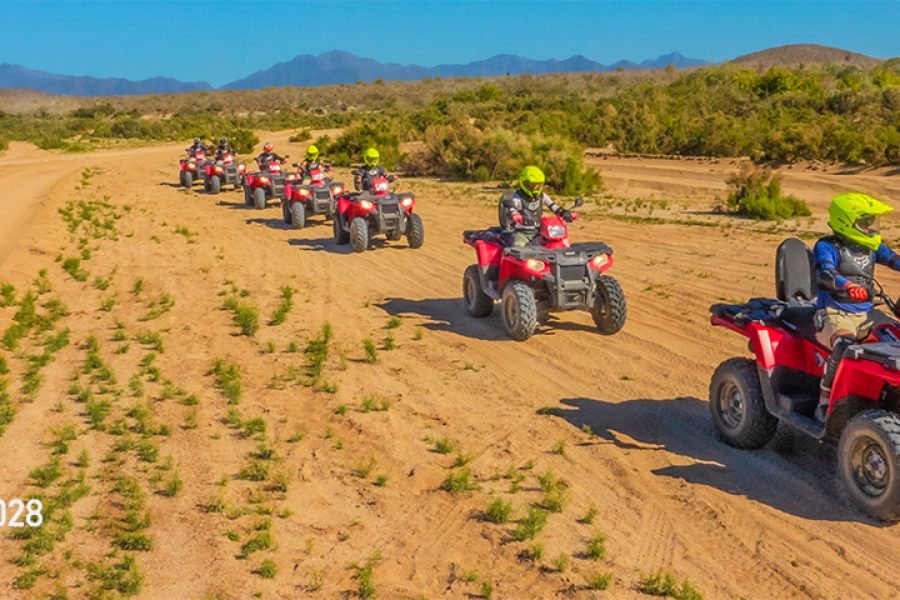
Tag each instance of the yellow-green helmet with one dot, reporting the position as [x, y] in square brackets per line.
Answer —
[371, 157]
[531, 181]
[854, 216]
[312, 153]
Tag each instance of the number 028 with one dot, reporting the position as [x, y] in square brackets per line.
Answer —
[14, 509]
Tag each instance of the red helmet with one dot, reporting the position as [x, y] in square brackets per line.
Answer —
[268, 146]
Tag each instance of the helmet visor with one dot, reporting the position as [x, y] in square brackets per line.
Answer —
[533, 187]
[868, 224]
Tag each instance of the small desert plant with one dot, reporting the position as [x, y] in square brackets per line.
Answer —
[756, 193]
[287, 303]
[228, 379]
[498, 511]
[267, 569]
[599, 581]
[530, 525]
[371, 352]
[246, 318]
[459, 481]
[664, 584]
[596, 546]
[443, 446]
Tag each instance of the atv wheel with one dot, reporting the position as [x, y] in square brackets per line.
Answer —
[298, 214]
[359, 234]
[215, 184]
[259, 198]
[609, 305]
[187, 179]
[286, 211]
[393, 236]
[518, 309]
[869, 462]
[248, 199]
[736, 403]
[478, 304]
[415, 231]
[341, 237]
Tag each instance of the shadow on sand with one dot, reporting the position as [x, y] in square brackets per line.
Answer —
[793, 474]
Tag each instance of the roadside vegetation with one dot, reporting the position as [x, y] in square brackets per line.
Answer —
[484, 129]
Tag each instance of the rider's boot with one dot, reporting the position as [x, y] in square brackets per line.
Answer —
[840, 346]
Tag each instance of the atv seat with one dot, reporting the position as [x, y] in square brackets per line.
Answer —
[485, 235]
[795, 284]
[795, 273]
[800, 318]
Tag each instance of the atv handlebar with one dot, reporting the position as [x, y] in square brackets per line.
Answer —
[893, 305]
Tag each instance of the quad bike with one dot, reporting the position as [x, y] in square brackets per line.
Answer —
[377, 211]
[313, 198]
[748, 397]
[191, 169]
[264, 185]
[550, 274]
[223, 172]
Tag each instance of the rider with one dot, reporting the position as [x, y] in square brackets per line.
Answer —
[845, 265]
[310, 162]
[521, 208]
[363, 176]
[223, 148]
[267, 156]
[197, 148]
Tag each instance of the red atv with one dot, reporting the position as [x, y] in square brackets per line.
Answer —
[191, 169]
[377, 211]
[748, 397]
[550, 274]
[223, 172]
[314, 198]
[264, 185]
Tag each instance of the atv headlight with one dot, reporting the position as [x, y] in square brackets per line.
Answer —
[535, 265]
[556, 232]
[336, 190]
[365, 204]
[264, 180]
[406, 202]
[599, 261]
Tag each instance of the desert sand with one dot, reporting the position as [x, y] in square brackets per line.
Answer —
[622, 421]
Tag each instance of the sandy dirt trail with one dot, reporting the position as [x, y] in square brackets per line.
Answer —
[627, 429]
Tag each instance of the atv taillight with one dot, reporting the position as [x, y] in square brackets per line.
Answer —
[534, 265]
[365, 204]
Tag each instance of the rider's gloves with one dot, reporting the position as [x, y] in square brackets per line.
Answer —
[566, 216]
[517, 217]
[857, 292]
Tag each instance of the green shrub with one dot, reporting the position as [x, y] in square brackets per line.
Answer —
[756, 193]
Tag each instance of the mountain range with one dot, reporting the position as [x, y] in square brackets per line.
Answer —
[333, 67]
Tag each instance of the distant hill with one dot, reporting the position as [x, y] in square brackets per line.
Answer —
[14, 76]
[794, 55]
[342, 67]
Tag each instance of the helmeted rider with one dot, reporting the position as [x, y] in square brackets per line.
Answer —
[521, 208]
[310, 162]
[845, 266]
[268, 156]
[198, 147]
[223, 148]
[363, 176]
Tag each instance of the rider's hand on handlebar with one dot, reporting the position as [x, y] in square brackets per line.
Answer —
[567, 216]
[857, 292]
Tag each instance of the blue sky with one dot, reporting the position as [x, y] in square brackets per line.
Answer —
[225, 40]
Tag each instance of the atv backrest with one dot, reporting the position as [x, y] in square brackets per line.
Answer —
[795, 272]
